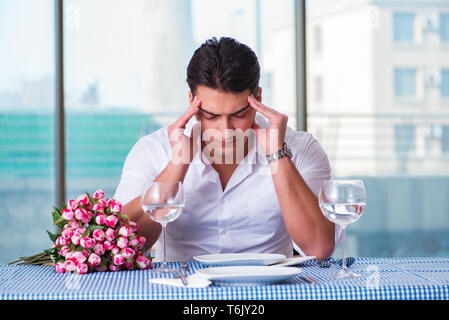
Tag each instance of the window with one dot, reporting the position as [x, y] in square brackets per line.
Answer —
[404, 82]
[125, 74]
[445, 83]
[27, 163]
[371, 130]
[444, 27]
[318, 84]
[317, 36]
[403, 27]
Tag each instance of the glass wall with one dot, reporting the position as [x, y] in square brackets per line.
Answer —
[381, 111]
[125, 71]
[26, 126]
[124, 77]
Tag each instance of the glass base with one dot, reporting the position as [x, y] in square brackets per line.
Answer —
[165, 269]
[345, 274]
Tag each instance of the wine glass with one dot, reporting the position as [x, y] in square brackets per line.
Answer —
[163, 202]
[342, 202]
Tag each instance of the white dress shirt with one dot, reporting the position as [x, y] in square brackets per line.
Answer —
[245, 217]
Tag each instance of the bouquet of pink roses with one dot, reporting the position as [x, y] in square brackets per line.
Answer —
[93, 235]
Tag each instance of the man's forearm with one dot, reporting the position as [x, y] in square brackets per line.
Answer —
[305, 223]
[148, 228]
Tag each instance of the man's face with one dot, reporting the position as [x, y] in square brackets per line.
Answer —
[224, 117]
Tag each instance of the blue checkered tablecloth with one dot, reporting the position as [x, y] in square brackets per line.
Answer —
[383, 278]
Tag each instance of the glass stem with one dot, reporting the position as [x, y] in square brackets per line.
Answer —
[164, 236]
[343, 238]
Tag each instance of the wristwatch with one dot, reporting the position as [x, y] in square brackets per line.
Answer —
[284, 152]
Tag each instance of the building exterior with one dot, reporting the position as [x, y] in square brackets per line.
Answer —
[378, 84]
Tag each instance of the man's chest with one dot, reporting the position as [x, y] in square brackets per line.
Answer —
[246, 205]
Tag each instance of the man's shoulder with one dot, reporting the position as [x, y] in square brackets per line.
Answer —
[155, 141]
[306, 149]
[298, 139]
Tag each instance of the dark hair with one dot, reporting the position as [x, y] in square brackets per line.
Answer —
[226, 65]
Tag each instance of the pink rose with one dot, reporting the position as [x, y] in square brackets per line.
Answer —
[134, 242]
[116, 207]
[60, 241]
[110, 234]
[67, 214]
[98, 207]
[60, 267]
[87, 243]
[74, 224]
[81, 215]
[134, 226]
[142, 241]
[98, 234]
[94, 260]
[128, 265]
[83, 200]
[82, 268]
[115, 250]
[102, 202]
[79, 257]
[69, 255]
[70, 265]
[128, 253]
[111, 221]
[125, 231]
[118, 259]
[90, 214]
[72, 204]
[122, 242]
[63, 251]
[143, 262]
[100, 219]
[67, 233]
[107, 245]
[76, 238]
[80, 231]
[99, 249]
[99, 194]
[101, 269]
[113, 267]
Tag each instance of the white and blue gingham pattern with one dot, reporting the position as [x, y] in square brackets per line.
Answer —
[383, 278]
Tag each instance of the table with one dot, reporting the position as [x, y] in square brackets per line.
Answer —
[383, 278]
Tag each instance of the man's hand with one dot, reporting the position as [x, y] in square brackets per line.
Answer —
[271, 138]
[183, 147]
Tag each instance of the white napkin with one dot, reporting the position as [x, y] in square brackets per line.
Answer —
[193, 281]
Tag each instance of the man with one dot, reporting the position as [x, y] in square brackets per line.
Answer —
[250, 181]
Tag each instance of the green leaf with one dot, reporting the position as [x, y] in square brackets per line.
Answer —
[55, 216]
[60, 222]
[123, 216]
[51, 236]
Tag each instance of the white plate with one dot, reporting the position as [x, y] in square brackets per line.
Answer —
[248, 275]
[239, 259]
[293, 261]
